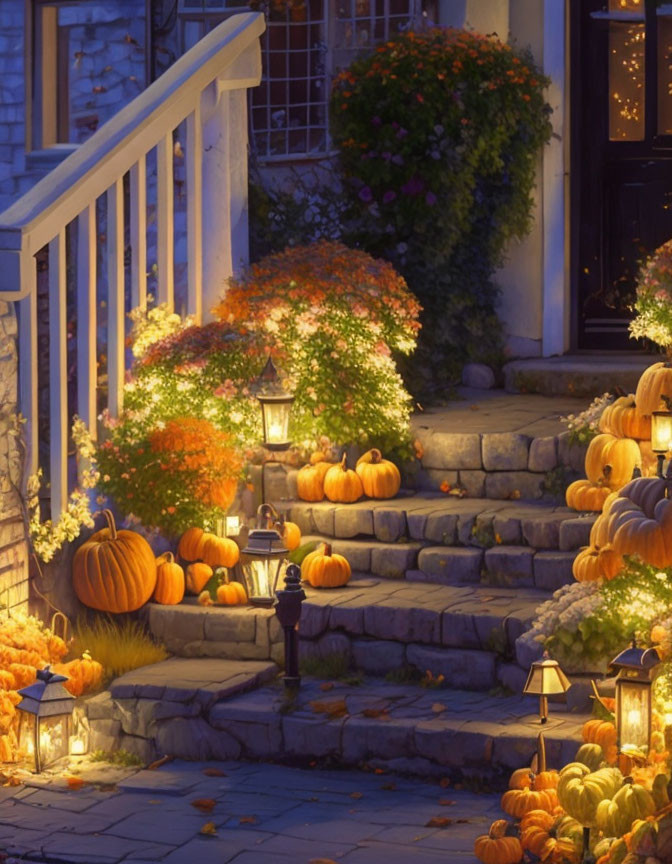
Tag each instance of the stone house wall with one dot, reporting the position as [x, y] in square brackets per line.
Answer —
[13, 544]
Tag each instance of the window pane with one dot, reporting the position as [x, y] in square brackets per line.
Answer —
[626, 79]
[665, 75]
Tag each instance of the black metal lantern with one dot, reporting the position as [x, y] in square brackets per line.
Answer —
[637, 669]
[44, 728]
[276, 405]
[263, 559]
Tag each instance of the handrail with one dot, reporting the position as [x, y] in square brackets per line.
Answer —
[60, 197]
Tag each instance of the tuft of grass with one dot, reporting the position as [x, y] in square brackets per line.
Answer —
[119, 646]
[405, 674]
[116, 757]
[329, 666]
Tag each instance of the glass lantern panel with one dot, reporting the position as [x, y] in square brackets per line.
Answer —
[53, 739]
[634, 716]
[276, 416]
[661, 432]
[27, 739]
[261, 576]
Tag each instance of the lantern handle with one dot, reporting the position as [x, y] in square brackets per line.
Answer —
[268, 514]
[55, 618]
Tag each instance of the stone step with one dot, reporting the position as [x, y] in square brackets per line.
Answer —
[407, 728]
[577, 375]
[428, 518]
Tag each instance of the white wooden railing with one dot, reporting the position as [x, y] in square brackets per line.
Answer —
[206, 88]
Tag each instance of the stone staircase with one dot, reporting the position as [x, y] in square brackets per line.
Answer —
[441, 584]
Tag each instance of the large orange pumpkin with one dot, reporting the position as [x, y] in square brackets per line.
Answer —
[585, 495]
[170, 582]
[380, 477]
[654, 383]
[324, 569]
[623, 419]
[114, 571]
[342, 484]
[611, 460]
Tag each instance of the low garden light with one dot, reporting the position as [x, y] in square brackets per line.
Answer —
[661, 436]
[288, 610]
[636, 670]
[276, 405]
[44, 728]
[545, 679]
[261, 561]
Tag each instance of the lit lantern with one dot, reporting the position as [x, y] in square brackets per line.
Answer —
[545, 679]
[637, 669]
[44, 729]
[263, 559]
[228, 526]
[276, 405]
[661, 436]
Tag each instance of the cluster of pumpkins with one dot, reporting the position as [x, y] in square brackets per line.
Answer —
[25, 647]
[633, 516]
[600, 793]
[373, 476]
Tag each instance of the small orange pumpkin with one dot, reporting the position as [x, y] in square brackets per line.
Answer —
[654, 383]
[603, 733]
[310, 481]
[595, 562]
[190, 547]
[623, 419]
[498, 850]
[219, 551]
[231, 593]
[324, 569]
[380, 477]
[198, 574]
[170, 583]
[517, 802]
[585, 495]
[611, 460]
[342, 484]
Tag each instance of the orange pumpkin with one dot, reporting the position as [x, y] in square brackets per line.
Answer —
[341, 484]
[498, 850]
[517, 802]
[231, 593]
[521, 779]
[324, 569]
[594, 563]
[611, 460]
[586, 495]
[623, 419]
[170, 582]
[219, 551]
[310, 481]
[190, 547]
[603, 733]
[380, 477]
[83, 674]
[654, 383]
[291, 535]
[198, 574]
[114, 571]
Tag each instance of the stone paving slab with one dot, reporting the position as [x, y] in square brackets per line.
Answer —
[263, 814]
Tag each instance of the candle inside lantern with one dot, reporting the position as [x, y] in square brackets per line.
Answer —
[77, 745]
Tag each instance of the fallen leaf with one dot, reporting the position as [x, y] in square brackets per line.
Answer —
[208, 829]
[444, 783]
[248, 820]
[159, 762]
[356, 795]
[205, 805]
[214, 772]
[155, 801]
[438, 822]
[446, 802]
[462, 821]
[75, 782]
[438, 707]
[389, 787]
[332, 707]
[327, 685]
[379, 771]
[375, 712]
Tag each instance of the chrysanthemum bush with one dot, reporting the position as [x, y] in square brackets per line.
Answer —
[654, 299]
[331, 317]
[439, 134]
[334, 318]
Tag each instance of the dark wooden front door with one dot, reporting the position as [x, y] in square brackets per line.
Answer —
[621, 158]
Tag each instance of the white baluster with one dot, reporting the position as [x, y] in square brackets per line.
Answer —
[195, 214]
[240, 246]
[115, 288]
[58, 376]
[87, 372]
[164, 220]
[28, 352]
[139, 234]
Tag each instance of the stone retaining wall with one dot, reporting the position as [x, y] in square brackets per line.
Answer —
[13, 545]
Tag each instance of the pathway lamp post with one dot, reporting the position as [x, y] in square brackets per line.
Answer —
[636, 670]
[288, 610]
[545, 679]
[276, 406]
[46, 713]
